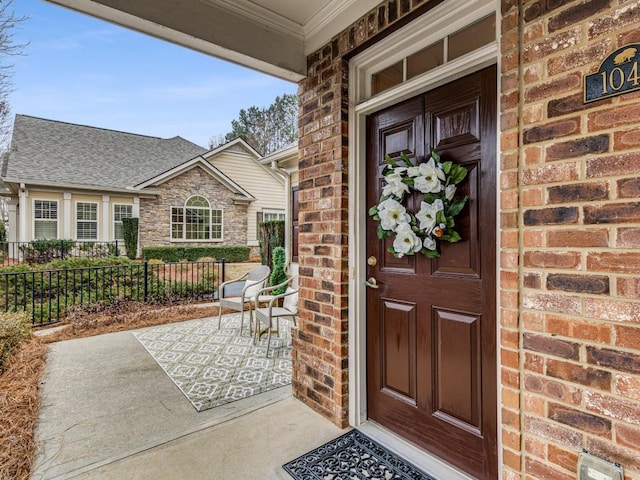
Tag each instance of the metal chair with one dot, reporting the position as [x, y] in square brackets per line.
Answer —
[253, 281]
[266, 315]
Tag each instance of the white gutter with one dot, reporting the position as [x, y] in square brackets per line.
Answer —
[287, 208]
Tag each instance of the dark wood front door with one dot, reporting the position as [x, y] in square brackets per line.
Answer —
[431, 324]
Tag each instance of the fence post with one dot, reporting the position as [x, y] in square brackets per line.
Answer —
[117, 250]
[62, 249]
[223, 270]
[146, 282]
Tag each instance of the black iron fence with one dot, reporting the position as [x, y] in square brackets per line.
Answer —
[48, 294]
[44, 251]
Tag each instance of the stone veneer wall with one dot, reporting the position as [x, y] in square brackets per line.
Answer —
[570, 245]
[155, 214]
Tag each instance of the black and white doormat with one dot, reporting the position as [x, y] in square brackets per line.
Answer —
[352, 456]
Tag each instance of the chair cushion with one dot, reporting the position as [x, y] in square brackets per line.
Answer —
[252, 288]
[290, 302]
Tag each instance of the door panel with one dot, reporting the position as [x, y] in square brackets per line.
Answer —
[431, 350]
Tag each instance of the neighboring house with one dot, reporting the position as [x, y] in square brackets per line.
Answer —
[520, 347]
[78, 182]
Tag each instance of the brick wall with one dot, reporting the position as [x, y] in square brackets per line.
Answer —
[320, 343]
[570, 245]
[572, 172]
[155, 213]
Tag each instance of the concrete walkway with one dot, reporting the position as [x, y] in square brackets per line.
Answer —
[110, 412]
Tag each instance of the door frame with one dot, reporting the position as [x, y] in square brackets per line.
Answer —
[446, 18]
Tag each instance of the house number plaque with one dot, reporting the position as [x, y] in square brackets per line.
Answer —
[618, 73]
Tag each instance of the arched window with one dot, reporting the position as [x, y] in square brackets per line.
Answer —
[196, 220]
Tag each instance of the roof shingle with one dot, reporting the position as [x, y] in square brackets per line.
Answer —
[64, 153]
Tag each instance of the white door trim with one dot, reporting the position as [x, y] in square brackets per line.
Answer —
[437, 21]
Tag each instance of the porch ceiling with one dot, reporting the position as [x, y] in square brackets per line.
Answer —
[271, 36]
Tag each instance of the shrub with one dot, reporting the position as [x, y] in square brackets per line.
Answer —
[130, 231]
[278, 275]
[43, 251]
[14, 329]
[231, 253]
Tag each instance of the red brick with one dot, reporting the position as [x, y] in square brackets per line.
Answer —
[578, 192]
[614, 165]
[612, 407]
[626, 139]
[555, 173]
[612, 310]
[572, 328]
[615, 20]
[551, 346]
[566, 459]
[533, 238]
[577, 148]
[533, 362]
[551, 45]
[628, 386]
[579, 238]
[628, 337]
[551, 303]
[592, 284]
[590, 377]
[612, 213]
[628, 287]
[585, 422]
[628, 188]
[552, 431]
[623, 262]
[553, 88]
[577, 13]
[628, 436]
[614, 359]
[550, 259]
[628, 237]
[552, 130]
[551, 216]
[579, 57]
[543, 471]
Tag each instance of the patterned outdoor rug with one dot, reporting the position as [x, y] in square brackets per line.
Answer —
[352, 456]
[214, 367]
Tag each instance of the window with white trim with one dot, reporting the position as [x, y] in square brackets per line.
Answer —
[196, 220]
[86, 221]
[269, 216]
[120, 211]
[45, 215]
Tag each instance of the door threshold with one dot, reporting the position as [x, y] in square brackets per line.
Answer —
[430, 464]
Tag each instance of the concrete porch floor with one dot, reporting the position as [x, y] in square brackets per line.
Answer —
[110, 412]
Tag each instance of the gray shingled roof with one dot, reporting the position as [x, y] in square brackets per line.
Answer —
[64, 153]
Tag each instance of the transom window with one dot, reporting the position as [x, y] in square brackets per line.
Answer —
[120, 212]
[45, 214]
[269, 216]
[86, 221]
[196, 220]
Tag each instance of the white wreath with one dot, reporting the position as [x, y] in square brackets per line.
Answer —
[419, 232]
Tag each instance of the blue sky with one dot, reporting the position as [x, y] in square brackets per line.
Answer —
[83, 70]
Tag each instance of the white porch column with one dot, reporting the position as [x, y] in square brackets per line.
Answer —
[103, 233]
[67, 217]
[135, 211]
[24, 213]
[12, 209]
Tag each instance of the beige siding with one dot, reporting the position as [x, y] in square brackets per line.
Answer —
[255, 179]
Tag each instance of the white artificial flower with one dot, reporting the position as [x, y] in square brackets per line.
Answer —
[429, 243]
[449, 192]
[406, 241]
[427, 215]
[430, 177]
[391, 213]
[394, 185]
